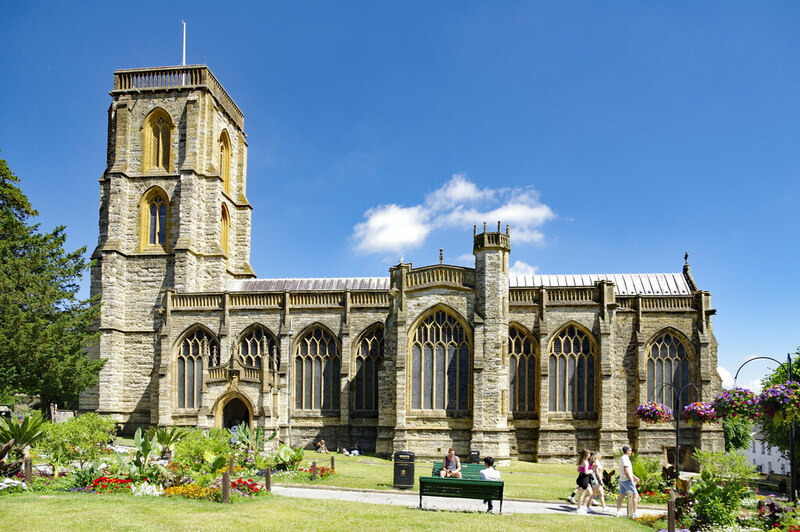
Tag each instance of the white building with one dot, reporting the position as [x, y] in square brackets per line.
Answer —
[765, 457]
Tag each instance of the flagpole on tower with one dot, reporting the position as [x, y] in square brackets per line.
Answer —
[184, 42]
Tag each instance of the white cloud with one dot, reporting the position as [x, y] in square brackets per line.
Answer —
[522, 268]
[456, 191]
[467, 259]
[391, 228]
[727, 378]
[458, 202]
[754, 385]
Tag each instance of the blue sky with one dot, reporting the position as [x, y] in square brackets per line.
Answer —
[613, 136]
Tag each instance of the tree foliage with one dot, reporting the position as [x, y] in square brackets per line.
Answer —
[776, 430]
[737, 431]
[43, 325]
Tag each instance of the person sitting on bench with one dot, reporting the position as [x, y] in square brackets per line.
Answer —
[451, 465]
[489, 473]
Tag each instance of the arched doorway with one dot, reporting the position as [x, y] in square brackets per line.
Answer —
[235, 413]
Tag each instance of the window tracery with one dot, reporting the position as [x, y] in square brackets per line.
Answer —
[368, 360]
[196, 347]
[157, 141]
[522, 370]
[317, 371]
[573, 357]
[440, 364]
[667, 369]
[257, 348]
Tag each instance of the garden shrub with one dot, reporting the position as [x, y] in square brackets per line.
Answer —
[648, 469]
[716, 498]
[82, 439]
[286, 459]
[192, 450]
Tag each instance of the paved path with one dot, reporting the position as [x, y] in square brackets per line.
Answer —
[411, 500]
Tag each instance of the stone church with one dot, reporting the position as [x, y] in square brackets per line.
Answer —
[421, 359]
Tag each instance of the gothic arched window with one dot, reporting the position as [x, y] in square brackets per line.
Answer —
[317, 371]
[258, 347]
[573, 358]
[225, 228]
[440, 364]
[368, 360]
[522, 367]
[156, 149]
[154, 216]
[225, 161]
[667, 369]
[196, 346]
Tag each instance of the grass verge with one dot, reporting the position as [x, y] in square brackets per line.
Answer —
[31, 511]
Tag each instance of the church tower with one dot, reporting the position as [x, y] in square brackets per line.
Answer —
[490, 368]
[173, 217]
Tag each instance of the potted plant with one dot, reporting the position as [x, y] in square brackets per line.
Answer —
[698, 412]
[783, 399]
[652, 412]
[737, 402]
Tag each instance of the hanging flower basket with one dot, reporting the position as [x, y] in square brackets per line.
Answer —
[652, 412]
[699, 413]
[737, 402]
[782, 400]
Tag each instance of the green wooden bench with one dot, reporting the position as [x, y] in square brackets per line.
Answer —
[461, 488]
[468, 471]
[774, 482]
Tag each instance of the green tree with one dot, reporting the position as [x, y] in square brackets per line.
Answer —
[737, 431]
[777, 430]
[43, 325]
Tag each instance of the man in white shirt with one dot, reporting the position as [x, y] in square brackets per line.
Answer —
[627, 480]
[489, 473]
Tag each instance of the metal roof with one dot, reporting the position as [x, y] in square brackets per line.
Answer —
[625, 284]
[324, 283]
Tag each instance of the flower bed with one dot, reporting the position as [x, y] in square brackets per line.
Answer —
[782, 399]
[322, 471]
[246, 487]
[111, 485]
[652, 412]
[699, 413]
[195, 491]
[737, 402]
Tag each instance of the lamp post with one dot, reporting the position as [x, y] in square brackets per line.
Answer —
[677, 414]
[792, 461]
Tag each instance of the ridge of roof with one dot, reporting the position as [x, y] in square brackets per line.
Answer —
[624, 283]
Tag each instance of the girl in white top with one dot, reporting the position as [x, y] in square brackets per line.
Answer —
[597, 478]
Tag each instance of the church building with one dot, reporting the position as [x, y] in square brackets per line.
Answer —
[421, 359]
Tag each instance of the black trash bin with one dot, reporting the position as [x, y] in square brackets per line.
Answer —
[404, 470]
[474, 457]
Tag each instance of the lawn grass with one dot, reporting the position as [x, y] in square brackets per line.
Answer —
[524, 480]
[33, 511]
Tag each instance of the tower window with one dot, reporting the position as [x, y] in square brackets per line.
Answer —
[156, 147]
[154, 218]
[224, 230]
[158, 221]
[225, 161]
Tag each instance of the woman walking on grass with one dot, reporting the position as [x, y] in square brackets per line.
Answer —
[584, 481]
